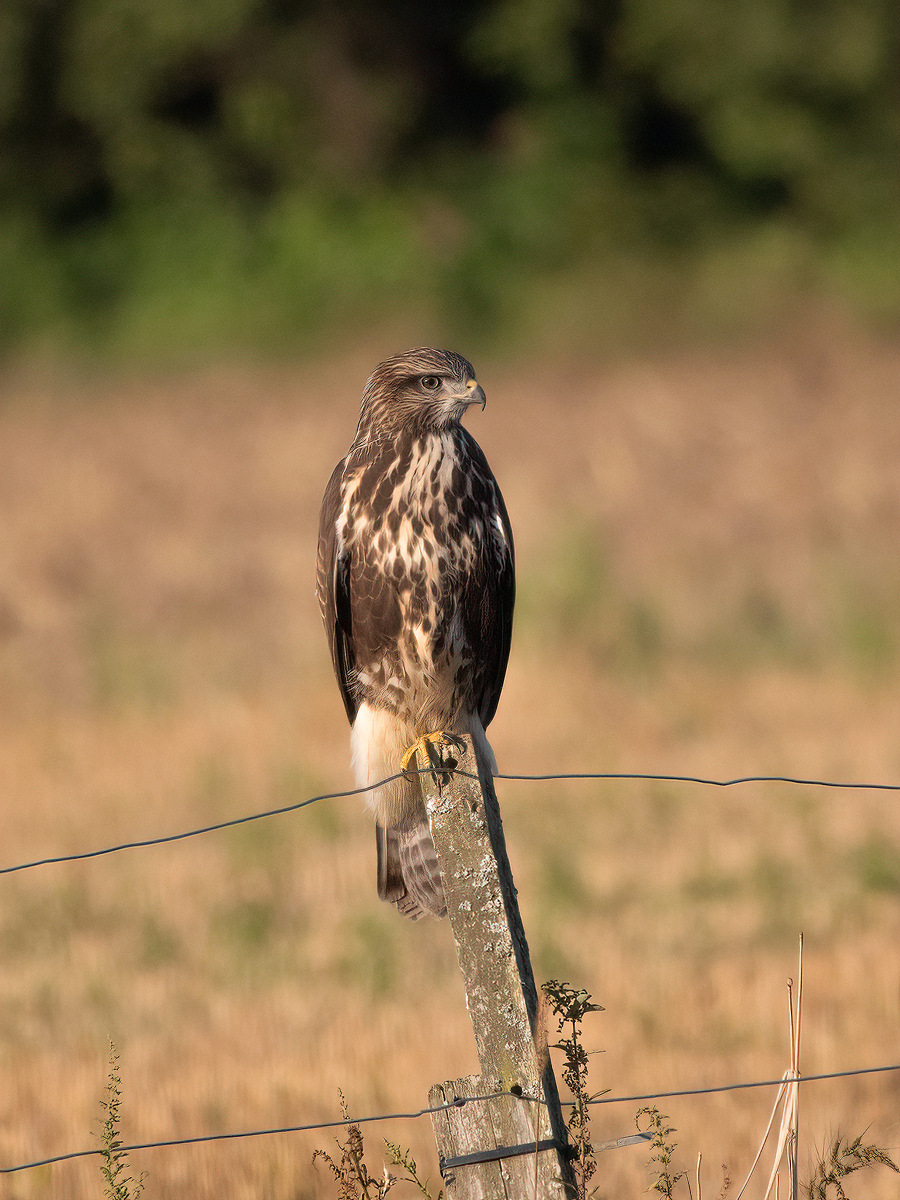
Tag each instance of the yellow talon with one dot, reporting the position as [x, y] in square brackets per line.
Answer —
[421, 744]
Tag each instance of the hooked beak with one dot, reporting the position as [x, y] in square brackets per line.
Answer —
[474, 394]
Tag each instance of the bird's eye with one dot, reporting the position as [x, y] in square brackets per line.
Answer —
[431, 382]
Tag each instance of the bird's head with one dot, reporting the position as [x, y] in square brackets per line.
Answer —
[424, 390]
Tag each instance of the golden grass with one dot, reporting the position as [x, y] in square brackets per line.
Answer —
[708, 564]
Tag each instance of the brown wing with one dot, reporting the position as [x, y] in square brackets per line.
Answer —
[491, 592]
[333, 592]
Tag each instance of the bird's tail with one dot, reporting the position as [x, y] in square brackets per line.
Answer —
[408, 871]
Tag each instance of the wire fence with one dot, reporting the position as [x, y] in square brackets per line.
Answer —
[607, 776]
[344, 1122]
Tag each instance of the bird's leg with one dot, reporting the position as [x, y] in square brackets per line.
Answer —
[422, 747]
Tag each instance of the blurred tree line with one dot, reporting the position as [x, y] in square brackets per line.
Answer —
[201, 173]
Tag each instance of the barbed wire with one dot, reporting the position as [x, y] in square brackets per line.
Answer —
[719, 783]
[461, 1102]
[254, 1133]
[144, 843]
[735, 1087]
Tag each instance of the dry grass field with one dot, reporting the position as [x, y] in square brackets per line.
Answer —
[709, 585]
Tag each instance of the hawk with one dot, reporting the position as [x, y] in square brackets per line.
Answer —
[415, 578]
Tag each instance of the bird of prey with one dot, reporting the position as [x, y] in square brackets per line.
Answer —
[415, 578]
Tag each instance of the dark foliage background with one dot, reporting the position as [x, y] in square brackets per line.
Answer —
[176, 175]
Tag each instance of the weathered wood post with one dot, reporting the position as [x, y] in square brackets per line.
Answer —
[514, 1145]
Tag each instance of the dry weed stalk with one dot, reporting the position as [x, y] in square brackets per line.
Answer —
[403, 1158]
[663, 1149]
[570, 1006]
[350, 1171]
[843, 1158]
[117, 1185]
[788, 1099]
[352, 1175]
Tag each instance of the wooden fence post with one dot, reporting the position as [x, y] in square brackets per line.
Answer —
[515, 1144]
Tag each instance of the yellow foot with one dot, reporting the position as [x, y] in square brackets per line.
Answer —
[421, 746]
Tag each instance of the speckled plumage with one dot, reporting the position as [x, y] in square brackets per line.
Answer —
[415, 579]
